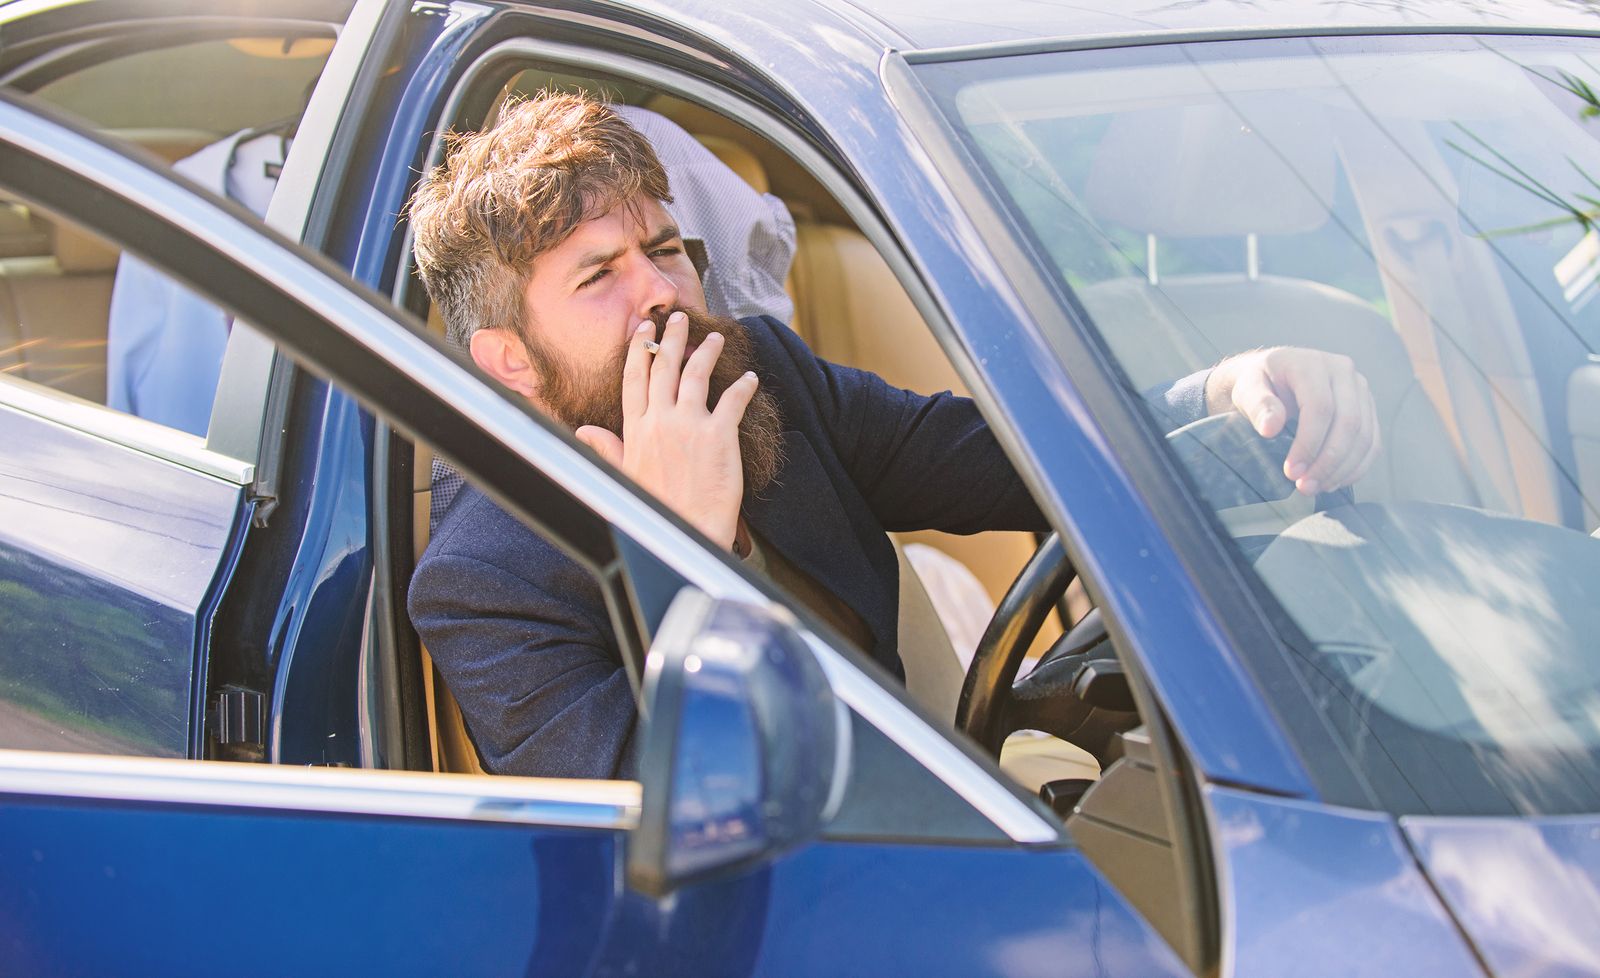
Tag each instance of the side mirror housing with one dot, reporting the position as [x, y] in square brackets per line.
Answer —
[746, 750]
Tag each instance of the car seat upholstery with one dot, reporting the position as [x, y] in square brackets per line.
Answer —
[1187, 172]
[851, 309]
[55, 286]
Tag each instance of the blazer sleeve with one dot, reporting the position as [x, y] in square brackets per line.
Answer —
[530, 660]
[930, 462]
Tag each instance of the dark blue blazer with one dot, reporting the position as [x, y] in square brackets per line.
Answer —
[520, 632]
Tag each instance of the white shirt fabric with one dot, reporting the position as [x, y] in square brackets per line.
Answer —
[164, 344]
[749, 236]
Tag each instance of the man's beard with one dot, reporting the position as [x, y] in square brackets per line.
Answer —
[577, 398]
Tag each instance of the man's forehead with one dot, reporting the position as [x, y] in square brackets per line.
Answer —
[628, 223]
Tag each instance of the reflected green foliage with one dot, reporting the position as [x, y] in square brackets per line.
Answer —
[1580, 208]
[83, 669]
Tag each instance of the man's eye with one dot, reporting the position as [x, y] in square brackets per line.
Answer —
[597, 276]
[666, 251]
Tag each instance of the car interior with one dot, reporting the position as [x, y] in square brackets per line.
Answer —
[56, 279]
[850, 309]
[56, 283]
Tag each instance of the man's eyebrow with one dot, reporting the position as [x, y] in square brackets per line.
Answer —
[661, 237]
[667, 233]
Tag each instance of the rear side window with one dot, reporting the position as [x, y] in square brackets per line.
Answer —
[82, 318]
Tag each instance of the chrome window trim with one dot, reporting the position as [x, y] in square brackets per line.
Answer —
[995, 800]
[606, 805]
[142, 436]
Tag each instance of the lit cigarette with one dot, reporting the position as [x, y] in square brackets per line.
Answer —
[651, 346]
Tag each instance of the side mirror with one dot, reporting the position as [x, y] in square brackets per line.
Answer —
[746, 750]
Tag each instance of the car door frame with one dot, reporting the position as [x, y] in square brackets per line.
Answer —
[381, 358]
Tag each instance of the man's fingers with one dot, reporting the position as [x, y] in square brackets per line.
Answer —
[1345, 444]
[668, 360]
[1373, 451]
[1316, 414]
[1348, 467]
[731, 405]
[1254, 397]
[605, 443]
[636, 373]
[695, 386]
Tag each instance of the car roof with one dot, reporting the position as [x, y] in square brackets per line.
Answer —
[923, 25]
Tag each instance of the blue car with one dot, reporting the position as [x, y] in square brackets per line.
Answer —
[1212, 726]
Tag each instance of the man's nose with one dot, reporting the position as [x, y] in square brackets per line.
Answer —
[658, 293]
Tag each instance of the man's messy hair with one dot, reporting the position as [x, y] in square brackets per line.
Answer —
[508, 194]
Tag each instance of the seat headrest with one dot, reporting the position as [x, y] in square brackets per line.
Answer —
[21, 234]
[79, 252]
[739, 160]
[1202, 171]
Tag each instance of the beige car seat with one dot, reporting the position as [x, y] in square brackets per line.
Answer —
[1185, 172]
[55, 286]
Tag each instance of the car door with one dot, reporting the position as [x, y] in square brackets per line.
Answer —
[126, 522]
[141, 865]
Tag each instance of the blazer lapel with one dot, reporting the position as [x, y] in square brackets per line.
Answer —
[801, 516]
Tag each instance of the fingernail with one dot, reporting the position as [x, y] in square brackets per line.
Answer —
[1309, 487]
[646, 325]
[676, 317]
[752, 375]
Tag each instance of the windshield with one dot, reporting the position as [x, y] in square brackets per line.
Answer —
[1429, 208]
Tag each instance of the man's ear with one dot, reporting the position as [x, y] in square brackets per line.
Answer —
[505, 358]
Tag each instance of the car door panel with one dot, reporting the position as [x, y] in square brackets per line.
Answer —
[897, 908]
[107, 560]
[100, 887]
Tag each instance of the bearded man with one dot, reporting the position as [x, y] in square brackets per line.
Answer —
[546, 245]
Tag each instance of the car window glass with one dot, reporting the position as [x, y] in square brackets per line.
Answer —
[215, 86]
[1425, 208]
[86, 319]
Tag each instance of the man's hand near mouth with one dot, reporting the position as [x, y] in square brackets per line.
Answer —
[683, 452]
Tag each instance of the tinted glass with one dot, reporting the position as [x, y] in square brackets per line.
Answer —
[1428, 208]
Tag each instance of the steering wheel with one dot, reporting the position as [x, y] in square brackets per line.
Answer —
[1078, 691]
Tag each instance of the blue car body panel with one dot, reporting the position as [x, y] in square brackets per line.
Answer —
[99, 888]
[103, 889]
[1526, 890]
[107, 563]
[842, 908]
[1313, 890]
[1307, 887]
[316, 640]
